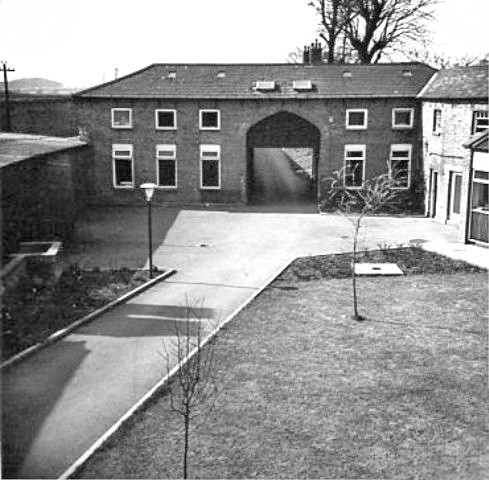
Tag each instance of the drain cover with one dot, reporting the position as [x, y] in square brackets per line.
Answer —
[377, 269]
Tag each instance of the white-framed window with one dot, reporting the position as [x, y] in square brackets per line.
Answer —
[356, 118]
[354, 167]
[209, 119]
[165, 119]
[437, 121]
[122, 166]
[121, 117]
[402, 117]
[400, 165]
[480, 121]
[166, 166]
[210, 167]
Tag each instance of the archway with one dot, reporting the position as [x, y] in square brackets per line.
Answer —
[282, 160]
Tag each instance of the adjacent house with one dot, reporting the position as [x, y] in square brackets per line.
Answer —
[455, 106]
[193, 129]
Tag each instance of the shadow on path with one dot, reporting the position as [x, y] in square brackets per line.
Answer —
[27, 403]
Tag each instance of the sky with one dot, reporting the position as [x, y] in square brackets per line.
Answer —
[81, 43]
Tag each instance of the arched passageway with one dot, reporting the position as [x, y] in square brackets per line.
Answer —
[282, 157]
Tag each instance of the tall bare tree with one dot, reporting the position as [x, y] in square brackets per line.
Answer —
[366, 30]
[334, 16]
[380, 27]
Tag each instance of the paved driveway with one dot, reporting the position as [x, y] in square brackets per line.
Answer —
[61, 400]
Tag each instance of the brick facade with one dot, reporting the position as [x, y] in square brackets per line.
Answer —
[446, 156]
[237, 117]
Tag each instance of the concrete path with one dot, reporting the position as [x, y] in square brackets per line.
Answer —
[61, 400]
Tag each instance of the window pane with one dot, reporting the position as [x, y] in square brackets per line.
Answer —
[481, 121]
[210, 154]
[356, 119]
[436, 120]
[121, 118]
[166, 119]
[457, 193]
[210, 119]
[354, 153]
[482, 175]
[354, 173]
[167, 171]
[166, 153]
[123, 172]
[480, 198]
[400, 153]
[122, 153]
[400, 172]
[402, 117]
[210, 173]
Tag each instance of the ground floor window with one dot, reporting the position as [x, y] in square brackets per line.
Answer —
[455, 192]
[354, 167]
[400, 165]
[210, 167]
[166, 166]
[123, 166]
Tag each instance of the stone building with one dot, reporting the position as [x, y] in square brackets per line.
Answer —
[194, 129]
[455, 106]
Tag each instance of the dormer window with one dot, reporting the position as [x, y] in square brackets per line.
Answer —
[302, 85]
[221, 75]
[172, 74]
[407, 73]
[265, 85]
[346, 74]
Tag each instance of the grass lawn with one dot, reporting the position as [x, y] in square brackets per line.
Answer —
[309, 393]
[31, 313]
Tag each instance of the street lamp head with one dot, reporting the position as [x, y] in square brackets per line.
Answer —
[149, 190]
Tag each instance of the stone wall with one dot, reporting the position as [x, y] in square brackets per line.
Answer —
[40, 114]
[42, 195]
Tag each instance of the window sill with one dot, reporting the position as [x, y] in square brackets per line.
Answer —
[213, 129]
[210, 188]
[162, 187]
[402, 127]
[165, 128]
[119, 127]
[356, 128]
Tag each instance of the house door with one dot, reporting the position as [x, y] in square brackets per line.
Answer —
[433, 193]
[455, 202]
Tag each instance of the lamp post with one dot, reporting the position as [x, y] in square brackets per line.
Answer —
[149, 190]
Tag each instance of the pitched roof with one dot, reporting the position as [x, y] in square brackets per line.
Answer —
[15, 147]
[458, 83]
[230, 81]
[478, 141]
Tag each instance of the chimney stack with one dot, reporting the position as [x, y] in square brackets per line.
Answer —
[305, 55]
[316, 54]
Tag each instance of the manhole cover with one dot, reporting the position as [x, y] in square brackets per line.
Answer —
[377, 269]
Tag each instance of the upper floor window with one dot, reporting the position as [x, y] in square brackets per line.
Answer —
[166, 166]
[356, 119]
[402, 117]
[400, 165]
[480, 122]
[166, 119]
[122, 118]
[122, 166]
[437, 121]
[209, 119]
[354, 166]
[210, 167]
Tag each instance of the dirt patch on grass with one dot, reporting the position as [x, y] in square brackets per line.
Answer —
[31, 313]
[410, 260]
[309, 393]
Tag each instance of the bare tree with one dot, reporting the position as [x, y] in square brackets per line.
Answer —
[334, 16]
[377, 193]
[379, 27]
[195, 383]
